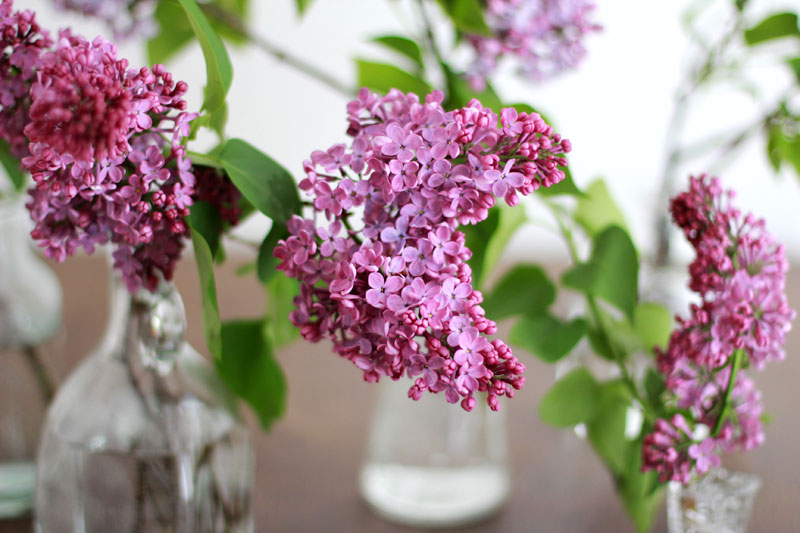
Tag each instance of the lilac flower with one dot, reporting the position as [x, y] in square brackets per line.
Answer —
[400, 287]
[380, 288]
[740, 322]
[545, 36]
[103, 149]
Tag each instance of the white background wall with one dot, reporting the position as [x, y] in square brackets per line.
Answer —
[614, 108]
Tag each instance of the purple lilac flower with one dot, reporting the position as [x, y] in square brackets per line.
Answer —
[386, 212]
[104, 148]
[126, 18]
[545, 36]
[739, 273]
[22, 42]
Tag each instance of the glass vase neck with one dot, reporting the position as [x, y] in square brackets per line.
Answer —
[149, 327]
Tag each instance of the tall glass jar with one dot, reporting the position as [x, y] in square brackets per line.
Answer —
[430, 463]
[30, 315]
[143, 436]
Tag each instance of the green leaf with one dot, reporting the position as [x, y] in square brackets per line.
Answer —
[218, 120]
[212, 324]
[775, 147]
[302, 6]
[525, 289]
[260, 179]
[219, 72]
[281, 291]
[600, 344]
[546, 337]
[250, 369]
[791, 151]
[606, 430]
[403, 46]
[266, 262]
[575, 398]
[477, 240]
[794, 64]
[611, 273]
[641, 493]
[653, 324]
[510, 220]
[459, 92]
[654, 386]
[773, 27]
[174, 32]
[381, 78]
[467, 16]
[205, 219]
[564, 187]
[12, 166]
[596, 209]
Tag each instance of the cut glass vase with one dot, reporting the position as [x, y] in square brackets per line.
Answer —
[719, 502]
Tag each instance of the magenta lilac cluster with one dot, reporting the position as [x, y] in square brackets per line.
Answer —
[739, 274]
[22, 42]
[104, 148]
[544, 35]
[125, 17]
[381, 263]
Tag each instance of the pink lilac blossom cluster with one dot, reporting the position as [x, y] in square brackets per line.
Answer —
[544, 35]
[125, 17]
[382, 265]
[106, 156]
[739, 274]
[22, 42]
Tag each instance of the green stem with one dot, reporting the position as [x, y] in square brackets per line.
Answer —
[736, 364]
[204, 159]
[594, 309]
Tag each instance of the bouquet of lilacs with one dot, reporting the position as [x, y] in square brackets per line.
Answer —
[695, 401]
[382, 264]
[739, 274]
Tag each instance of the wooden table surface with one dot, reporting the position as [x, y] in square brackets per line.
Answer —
[307, 465]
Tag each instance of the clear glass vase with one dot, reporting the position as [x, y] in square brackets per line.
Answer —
[30, 315]
[719, 502]
[143, 436]
[430, 463]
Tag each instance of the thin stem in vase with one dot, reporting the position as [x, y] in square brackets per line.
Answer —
[597, 317]
[736, 364]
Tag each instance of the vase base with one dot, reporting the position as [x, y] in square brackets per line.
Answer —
[17, 480]
[434, 496]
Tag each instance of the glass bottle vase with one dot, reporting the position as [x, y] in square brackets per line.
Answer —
[430, 463]
[30, 315]
[719, 502]
[143, 436]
